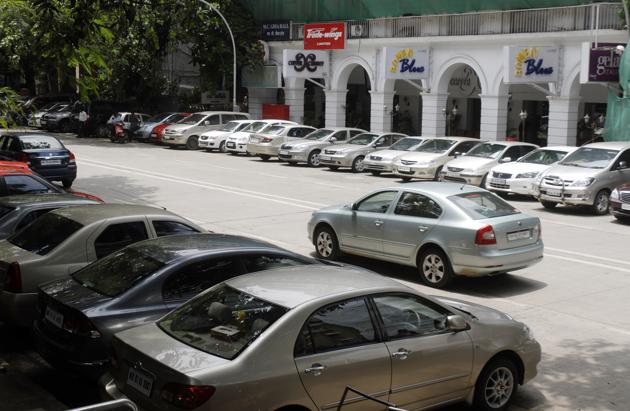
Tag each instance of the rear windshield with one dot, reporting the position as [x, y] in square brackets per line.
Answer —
[256, 126]
[45, 233]
[436, 146]
[176, 118]
[222, 321]
[274, 130]
[318, 134]
[158, 118]
[405, 144]
[480, 205]
[40, 143]
[118, 272]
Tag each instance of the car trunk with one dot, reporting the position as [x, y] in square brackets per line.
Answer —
[9, 254]
[513, 231]
[47, 159]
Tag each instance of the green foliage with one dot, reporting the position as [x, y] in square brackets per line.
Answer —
[9, 107]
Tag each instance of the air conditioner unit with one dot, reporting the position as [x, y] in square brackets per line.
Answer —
[356, 30]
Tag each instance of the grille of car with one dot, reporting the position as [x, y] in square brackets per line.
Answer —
[455, 179]
[625, 197]
[377, 167]
[501, 175]
[455, 169]
[407, 162]
[170, 131]
[556, 181]
[329, 151]
[495, 185]
[376, 158]
[286, 147]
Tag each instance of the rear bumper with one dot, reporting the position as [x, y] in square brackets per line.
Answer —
[297, 156]
[266, 150]
[383, 166]
[523, 186]
[18, 308]
[424, 173]
[58, 174]
[476, 262]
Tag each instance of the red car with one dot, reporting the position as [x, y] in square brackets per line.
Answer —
[157, 134]
[620, 202]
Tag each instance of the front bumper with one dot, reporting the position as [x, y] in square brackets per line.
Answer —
[336, 160]
[209, 143]
[531, 354]
[236, 146]
[264, 149]
[463, 178]
[18, 308]
[174, 140]
[424, 173]
[620, 209]
[523, 186]
[297, 156]
[480, 261]
[567, 195]
[373, 165]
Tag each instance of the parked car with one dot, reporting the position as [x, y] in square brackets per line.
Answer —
[216, 139]
[157, 134]
[19, 180]
[308, 150]
[18, 211]
[138, 285]
[143, 133]
[266, 144]
[426, 161]
[34, 119]
[186, 132]
[383, 161]
[43, 153]
[473, 167]
[296, 337]
[59, 119]
[586, 177]
[518, 176]
[65, 240]
[352, 153]
[237, 142]
[620, 202]
[444, 230]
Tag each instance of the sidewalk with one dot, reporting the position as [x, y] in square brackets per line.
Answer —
[18, 393]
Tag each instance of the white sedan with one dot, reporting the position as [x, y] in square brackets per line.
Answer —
[237, 142]
[215, 139]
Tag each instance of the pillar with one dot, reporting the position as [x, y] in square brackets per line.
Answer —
[257, 97]
[336, 108]
[294, 98]
[494, 113]
[563, 119]
[381, 106]
[433, 119]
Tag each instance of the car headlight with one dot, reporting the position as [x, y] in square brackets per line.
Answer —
[469, 173]
[529, 334]
[585, 182]
[532, 174]
[614, 195]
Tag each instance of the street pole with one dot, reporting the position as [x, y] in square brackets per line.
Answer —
[211, 7]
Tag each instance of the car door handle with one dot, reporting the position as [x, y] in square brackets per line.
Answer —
[378, 223]
[401, 354]
[422, 228]
[315, 370]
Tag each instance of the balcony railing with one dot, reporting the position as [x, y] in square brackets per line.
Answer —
[547, 20]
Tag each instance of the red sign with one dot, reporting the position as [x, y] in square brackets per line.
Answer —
[324, 36]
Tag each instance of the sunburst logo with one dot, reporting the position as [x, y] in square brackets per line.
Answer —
[402, 54]
[527, 53]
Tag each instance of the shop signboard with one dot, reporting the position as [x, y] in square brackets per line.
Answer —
[324, 36]
[406, 63]
[600, 63]
[531, 64]
[276, 31]
[305, 63]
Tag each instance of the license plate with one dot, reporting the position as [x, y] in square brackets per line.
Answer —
[140, 381]
[54, 317]
[625, 207]
[324, 158]
[230, 145]
[283, 152]
[554, 193]
[254, 140]
[50, 162]
[404, 169]
[519, 235]
[499, 181]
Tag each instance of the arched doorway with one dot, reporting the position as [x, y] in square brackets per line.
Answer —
[358, 101]
[462, 111]
[314, 104]
[407, 109]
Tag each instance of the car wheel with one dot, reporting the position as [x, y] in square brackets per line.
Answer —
[601, 205]
[549, 205]
[496, 385]
[483, 181]
[435, 269]
[437, 174]
[375, 172]
[101, 131]
[264, 157]
[67, 183]
[222, 148]
[292, 163]
[192, 143]
[313, 158]
[357, 165]
[326, 245]
[333, 168]
[406, 179]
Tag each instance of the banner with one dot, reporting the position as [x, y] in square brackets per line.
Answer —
[276, 31]
[324, 36]
[601, 63]
[531, 64]
[305, 63]
[406, 63]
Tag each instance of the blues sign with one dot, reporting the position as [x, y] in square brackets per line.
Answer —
[406, 63]
[531, 64]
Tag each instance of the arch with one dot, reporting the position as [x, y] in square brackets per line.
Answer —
[499, 88]
[448, 68]
[342, 73]
[571, 84]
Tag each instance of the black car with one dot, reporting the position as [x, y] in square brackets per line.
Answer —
[43, 153]
[136, 285]
[60, 119]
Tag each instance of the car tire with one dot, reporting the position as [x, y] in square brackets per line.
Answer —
[601, 205]
[313, 158]
[375, 173]
[483, 181]
[264, 157]
[435, 268]
[437, 174]
[496, 385]
[326, 244]
[192, 143]
[102, 131]
[549, 205]
[222, 148]
[234, 153]
[406, 179]
[333, 168]
[292, 163]
[357, 164]
[67, 183]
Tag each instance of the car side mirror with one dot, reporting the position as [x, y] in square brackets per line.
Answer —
[506, 160]
[206, 123]
[622, 165]
[457, 154]
[333, 140]
[456, 323]
[354, 206]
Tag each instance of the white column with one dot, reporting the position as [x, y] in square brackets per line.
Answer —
[336, 108]
[380, 109]
[494, 113]
[257, 97]
[563, 119]
[433, 120]
[294, 98]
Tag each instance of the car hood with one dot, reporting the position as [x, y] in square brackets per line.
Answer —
[70, 292]
[179, 127]
[423, 157]
[572, 173]
[347, 148]
[519, 168]
[472, 163]
[389, 154]
[476, 310]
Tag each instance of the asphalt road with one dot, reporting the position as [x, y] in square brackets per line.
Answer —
[575, 301]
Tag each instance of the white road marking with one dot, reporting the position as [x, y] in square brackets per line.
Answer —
[612, 260]
[577, 260]
[583, 227]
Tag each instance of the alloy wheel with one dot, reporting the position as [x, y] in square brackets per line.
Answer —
[499, 387]
[433, 268]
[325, 244]
[222, 147]
[313, 159]
[602, 203]
[357, 165]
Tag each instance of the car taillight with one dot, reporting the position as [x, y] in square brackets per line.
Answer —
[80, 325]
[537, 232]
[485, 236]
[13, 282]
[267, 140]
[187, 396]
[71, 159]
[24, 158]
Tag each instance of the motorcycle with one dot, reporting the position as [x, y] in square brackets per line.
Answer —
[119, 134]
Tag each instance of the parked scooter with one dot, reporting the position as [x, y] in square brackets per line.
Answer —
[119, 134]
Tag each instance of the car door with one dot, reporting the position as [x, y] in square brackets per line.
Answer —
[430, 364]
[338, 346]
[362, 229]
[619, 175]
[413, 218]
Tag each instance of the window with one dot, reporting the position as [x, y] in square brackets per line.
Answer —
[30, 217]
[37, 143]
[384, 141]
[625, 156]
[480, 204]
[164, 228]
[24, 184]
[226, 117]
[337, 326]
[15, 145]
[118, 236]
[4, 143]
[417, 205]
[267, 262]
[212, 120]
[355, 132]
[197, 277]
[240, 117]
[408, 316]
[340, 135]
[487, 150]
[513, 153]
[377, 203]
[464, 147]
[45, 234]
[526, 150]
[299, 132]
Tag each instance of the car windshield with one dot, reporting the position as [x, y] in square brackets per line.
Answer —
[158, 118]
[193, 119]
[480, 205]
[229, 126]
[118, 272]
[436, 146]
[363, 139]
[40, 143]
[486, 150]
[318, 134]
[59, 108]
[589, 157]
[177, 118]
[45, 233]
[255, 126]
[543, 156]
[222, 321]
[274, 130]
[405, 144]
[48, 106]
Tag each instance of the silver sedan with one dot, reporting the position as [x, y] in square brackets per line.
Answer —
[294, 338]
[443, 229]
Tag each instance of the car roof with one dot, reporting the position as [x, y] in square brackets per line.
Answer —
[510, 143]
[292, 286]
[27, 199]
[560, 148]
[457, 138]
[26, 133]
[444, 189]
[97, 212]
[612, 145]
[218, 112]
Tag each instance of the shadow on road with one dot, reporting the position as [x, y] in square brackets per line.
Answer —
[123, 188]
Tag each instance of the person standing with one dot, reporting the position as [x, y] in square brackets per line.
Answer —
[82, 123]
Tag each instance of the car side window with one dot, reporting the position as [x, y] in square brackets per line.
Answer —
[4, 142]
[213, 120]
[417, 205]
[226, 118]
[337, 326]
[526, 150]
[355, 132]
[240, 117]
[30, 217]
[15, 145]
[118, 236]
[407, 316]
[625, 156]
[464, 147]
[164, 228]
[194, 278]
[383, 141]
[340, 135]
[377, 203]
[513, 153]
[24, 184]
[294, 132]
[267, 262]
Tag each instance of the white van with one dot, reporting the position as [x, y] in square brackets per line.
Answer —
[186, 133]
